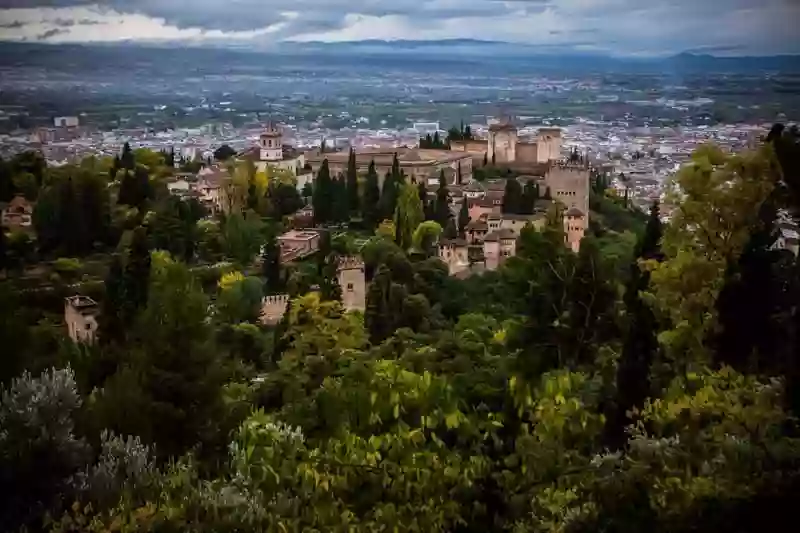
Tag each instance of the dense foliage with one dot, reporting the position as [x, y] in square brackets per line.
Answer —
[607, 390]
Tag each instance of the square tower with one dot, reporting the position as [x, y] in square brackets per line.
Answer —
[80, 314]
[270, 143]
[352, 280]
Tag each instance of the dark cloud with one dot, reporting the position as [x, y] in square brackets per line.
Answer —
[51, 33]
[633, 25]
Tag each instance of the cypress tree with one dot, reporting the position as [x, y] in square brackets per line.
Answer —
[137, 275]
[389, 194]
[322, 198]
[127, 160]
[640, 343]
[529, 196]
[512, 197]
[427, 206]
[112, 326]
[463, 218]
[271, 265]
[372, 197]
[352, 183]
[442, 214]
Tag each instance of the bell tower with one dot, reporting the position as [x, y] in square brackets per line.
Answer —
[270, 143]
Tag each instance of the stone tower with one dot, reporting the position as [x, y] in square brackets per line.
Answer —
[273, 308]
[352, 280]
[271, 144]
[502, 144]
[80, 314]
[548, 142]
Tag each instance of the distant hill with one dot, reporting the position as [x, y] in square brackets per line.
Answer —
[508, 55]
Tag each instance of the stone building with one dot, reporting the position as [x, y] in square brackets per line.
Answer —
[18, 214]
[455, 254]
[416, 163]
[272, 152]
[295, 244]
[80, 315]
[351, 275]
[504, 146]
[498, 246]
[352, 280]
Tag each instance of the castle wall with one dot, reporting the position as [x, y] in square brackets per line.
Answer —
[527, 152]
[273, 308]
[474, 146]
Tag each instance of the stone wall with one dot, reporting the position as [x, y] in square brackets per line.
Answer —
[527, 152]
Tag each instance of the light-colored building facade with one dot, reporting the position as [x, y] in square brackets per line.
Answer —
[18, 214]
[351, 274]
[80, 315]
[418, 164]
[504, 146]
[295, 244]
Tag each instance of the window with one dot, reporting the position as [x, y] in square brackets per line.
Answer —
[349, 287]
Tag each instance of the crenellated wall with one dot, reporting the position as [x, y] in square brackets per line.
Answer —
[273, 308]
[352, 280]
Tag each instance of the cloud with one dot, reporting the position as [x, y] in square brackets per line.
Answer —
[615, 26]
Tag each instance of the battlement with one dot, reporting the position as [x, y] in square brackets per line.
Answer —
[276, 299]
[350, 263]
[569, 165]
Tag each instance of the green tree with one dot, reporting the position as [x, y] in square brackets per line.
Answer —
[640, 344]
[372, 196]
[242, 236]
[426, 236]
[463, 217]
[512, 197]
[720, 199]
[127, 160]
[530, 195]
[443, 214]
[408, 215]
[137, 276]
[112, 325]
[224, 152]
[323, 195]
[353, 196]
[271, 265]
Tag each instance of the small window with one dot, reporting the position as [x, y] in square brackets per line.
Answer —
[349, 287]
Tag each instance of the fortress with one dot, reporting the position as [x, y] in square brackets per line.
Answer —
[504, 146]
[352, 280]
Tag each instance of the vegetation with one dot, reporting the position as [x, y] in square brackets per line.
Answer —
[563, 392]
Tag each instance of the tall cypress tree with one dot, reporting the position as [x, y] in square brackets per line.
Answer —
[322, 199]
[352, 183]
[127, 160]
[530, 194]
[640, 344]
[372, 197]
[389, 194]
[427, 206]
[271, 265]
[463, 218]
[442, 213]
[397, 174]
[137, 275]
[512, 197]
[112, 326]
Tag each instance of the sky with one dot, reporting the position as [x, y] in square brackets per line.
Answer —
[616, 27]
